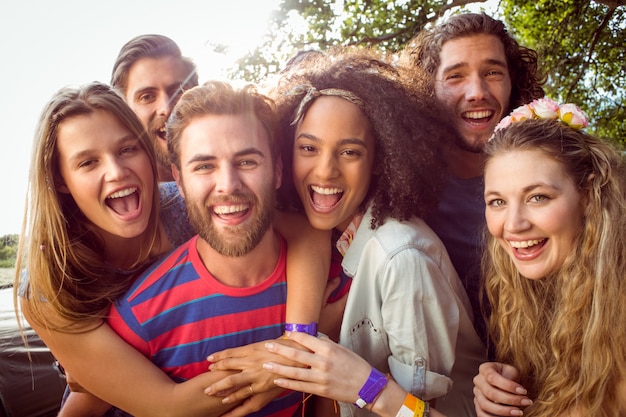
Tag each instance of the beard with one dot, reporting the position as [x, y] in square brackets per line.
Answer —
[160, 146]
[239, 240]
[470, 147]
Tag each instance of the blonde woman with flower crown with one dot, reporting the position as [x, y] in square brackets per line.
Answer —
[555, 268]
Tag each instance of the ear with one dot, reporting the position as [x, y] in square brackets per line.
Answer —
[278, 172]
[177, 178]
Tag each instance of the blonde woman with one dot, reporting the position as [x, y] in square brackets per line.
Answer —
[555, 268]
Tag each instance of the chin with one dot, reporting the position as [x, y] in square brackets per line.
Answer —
[533, 275]
[473, 146]
[319, 223]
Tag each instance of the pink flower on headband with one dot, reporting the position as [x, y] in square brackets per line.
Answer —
[522, 113]
[505, 122]
[574, 117]
[545, 108]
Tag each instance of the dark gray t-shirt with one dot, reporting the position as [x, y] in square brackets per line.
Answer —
[459, 221]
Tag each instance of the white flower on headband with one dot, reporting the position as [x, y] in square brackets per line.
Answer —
[545, 108]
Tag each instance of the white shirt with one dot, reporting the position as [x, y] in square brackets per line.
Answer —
[407, 313]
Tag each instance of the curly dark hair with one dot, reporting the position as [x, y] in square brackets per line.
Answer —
[408, 124]
[424, 49]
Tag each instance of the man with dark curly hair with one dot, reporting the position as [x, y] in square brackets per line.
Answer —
[479, 72]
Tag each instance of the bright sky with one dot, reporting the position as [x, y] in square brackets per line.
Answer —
[51, 44]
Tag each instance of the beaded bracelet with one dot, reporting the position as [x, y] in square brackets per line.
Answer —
[302, 328]
[375, 383]
[413, 407]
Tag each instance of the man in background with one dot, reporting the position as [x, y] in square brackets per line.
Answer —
[151, 73]
[480, 73]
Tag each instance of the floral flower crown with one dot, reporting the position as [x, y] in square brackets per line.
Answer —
[545, 108]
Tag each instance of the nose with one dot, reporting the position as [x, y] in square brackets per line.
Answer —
[516, 220]
[476, 89]
[326, 167]
[228, 180]
[165, 103]
[115, 169]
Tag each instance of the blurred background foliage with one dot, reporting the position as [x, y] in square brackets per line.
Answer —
[8, 250]
[581, 43]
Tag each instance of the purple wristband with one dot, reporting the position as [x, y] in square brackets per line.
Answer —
[375, 383]
[302, 328]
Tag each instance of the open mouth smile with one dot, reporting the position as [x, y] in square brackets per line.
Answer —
[124, 202]
[325, 198]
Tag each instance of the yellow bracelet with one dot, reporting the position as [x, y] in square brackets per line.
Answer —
[413, 407]
[422, 409]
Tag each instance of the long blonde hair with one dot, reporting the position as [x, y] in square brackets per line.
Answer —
[68, 280]
[566, 333]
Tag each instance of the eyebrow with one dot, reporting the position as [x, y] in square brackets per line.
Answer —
[346, 141]
[117, 142]
[527, 189]
[490, 61]
[244, 152]
[142, 90]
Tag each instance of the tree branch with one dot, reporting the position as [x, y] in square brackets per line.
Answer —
[411, 28]
[612, 4]
[586, 62]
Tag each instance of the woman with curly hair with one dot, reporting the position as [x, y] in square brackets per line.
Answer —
[362, 158]
[555, 268]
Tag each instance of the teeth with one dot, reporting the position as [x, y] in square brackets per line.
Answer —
[162, 130]
[326, 191]
[525, 243]
[229, 209]
[477, 114]
[123, 193]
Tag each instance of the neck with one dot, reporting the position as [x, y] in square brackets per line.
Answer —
[464, 164]
[123, 253]
[242, 271]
